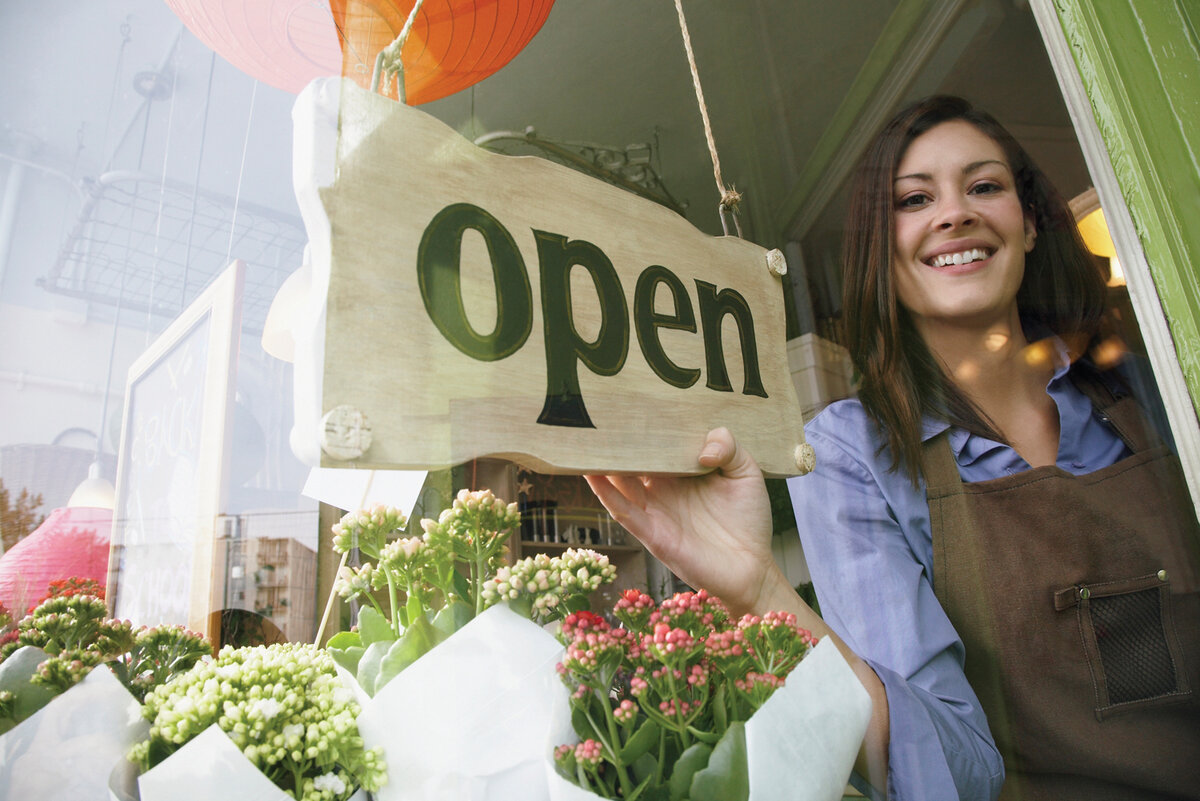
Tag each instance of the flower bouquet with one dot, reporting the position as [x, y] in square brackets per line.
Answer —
[683, 702]
[476, 708]
[257, 723]
[64, 722]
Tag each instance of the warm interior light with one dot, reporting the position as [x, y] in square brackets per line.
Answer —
[95, 491]
[1094, 230]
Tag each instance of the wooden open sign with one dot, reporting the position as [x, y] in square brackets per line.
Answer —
[486, 305]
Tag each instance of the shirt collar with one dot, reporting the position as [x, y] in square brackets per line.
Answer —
[969, 448]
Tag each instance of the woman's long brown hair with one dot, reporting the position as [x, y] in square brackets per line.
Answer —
[902, 381]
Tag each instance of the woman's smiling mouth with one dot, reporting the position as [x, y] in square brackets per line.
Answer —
[958, 257]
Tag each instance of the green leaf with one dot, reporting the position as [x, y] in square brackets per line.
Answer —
[413, 609]
[347, 657]
[461, 585]
[344, 640]
[727, 777]
[693, 759]
[374, 627]
[636, 793]
[15, 673]
[644, 767]
[412, 645]
[583, 726]
[522, 605]
[712, 738]
[656, 792]
[577, 603]
[452, 617]
[645, 738]
[368, 665]
[719, 712]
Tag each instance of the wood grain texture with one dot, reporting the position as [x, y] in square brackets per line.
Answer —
[431, 404]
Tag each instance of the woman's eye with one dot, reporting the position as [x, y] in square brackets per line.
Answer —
[913, 201]
[985, 188]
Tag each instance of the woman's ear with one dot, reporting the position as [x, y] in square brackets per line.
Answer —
[1030, 231]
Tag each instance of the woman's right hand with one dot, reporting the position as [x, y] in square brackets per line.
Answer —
[711, 530]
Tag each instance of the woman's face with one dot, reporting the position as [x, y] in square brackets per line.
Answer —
[960, 233]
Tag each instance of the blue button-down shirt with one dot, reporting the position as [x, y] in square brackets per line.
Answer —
[868, 543]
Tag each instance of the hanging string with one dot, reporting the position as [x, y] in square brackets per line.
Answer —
[173, 65]
[388, 61]
[729, 197]
[237, 196]
[187, 255]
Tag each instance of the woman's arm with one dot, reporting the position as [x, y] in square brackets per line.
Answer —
[867, 543]
[714, 532]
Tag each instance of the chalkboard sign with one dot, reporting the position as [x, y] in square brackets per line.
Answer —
[175, 440]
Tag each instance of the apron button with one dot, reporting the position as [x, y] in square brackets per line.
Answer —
[1084, 593]
[1162, 575]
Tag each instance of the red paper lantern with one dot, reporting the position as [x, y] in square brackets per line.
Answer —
[70, 543]
[287, 43]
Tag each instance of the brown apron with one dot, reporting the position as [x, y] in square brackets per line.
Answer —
[1078, 602]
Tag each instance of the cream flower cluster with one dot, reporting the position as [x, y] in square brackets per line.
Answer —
[548, 587]
[283, 705]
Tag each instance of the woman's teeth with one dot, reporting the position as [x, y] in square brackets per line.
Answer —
[965, 257]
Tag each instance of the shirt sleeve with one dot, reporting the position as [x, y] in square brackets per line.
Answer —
[858, 525]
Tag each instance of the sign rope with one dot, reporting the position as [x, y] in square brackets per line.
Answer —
[388, 61]
[729, 197]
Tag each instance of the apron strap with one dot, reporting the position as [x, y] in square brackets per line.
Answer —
[1112, 399]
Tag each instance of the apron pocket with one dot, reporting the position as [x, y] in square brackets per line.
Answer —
[1129, 637]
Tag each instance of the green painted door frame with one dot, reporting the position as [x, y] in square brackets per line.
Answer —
[1130, 73]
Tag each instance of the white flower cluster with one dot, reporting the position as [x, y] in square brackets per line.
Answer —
[283, 705]
[354, 581]
[368, 528]
[549, 584]
[473, 513]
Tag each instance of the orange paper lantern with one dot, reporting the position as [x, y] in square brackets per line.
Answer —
[452, 45]
[287, 43]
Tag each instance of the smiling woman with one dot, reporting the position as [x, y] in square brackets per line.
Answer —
[1002, 547]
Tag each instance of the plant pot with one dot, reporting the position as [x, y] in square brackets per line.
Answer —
[471, 718]
[209, 767]
[800, 745]
[66, 750]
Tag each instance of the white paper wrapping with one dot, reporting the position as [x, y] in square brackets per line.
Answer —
[469, 720]
[801, 744]
[209, 768]
[66, 751]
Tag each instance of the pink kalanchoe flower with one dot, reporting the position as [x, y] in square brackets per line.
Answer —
[625, 712]
[775, 641]
[634, 609]
[698, 612]
[588, 754]
[671, 646]
[582, 621]
[758, 687]
[592, 658]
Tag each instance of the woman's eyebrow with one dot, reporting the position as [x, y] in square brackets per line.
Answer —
[967, 170]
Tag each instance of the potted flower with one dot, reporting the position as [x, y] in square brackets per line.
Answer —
[680, 701]
[276, 719]
[71, 681]
[450, 636]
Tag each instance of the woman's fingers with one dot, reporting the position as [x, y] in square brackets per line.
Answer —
[723, 452]
[613, 492]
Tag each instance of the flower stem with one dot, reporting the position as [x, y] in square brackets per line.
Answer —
[615, 737]
[395, 618]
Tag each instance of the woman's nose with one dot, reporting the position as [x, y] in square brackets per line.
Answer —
[954, 212]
